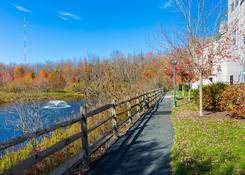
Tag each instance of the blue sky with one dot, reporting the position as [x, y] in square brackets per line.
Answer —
[67, 29]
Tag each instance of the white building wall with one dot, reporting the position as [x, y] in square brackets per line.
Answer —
[225, 70]
[236, 22]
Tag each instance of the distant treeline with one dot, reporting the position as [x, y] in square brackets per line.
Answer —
[101, 79]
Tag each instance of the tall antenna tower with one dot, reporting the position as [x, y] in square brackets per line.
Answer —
[24, 41]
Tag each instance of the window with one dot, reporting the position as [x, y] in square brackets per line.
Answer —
[244, 39]
[219, 69]
[237, 2]
[231, 79]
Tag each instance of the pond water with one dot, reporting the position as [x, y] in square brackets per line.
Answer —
[47, 116]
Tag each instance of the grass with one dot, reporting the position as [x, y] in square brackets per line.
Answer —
[180, 93]
[207, 145]
[7, 97]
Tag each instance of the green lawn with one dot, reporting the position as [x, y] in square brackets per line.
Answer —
[7, 97]
[207, 145]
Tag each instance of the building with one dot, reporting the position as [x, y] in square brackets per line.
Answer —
[231, 71]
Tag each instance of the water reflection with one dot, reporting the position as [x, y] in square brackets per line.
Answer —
[12, 115]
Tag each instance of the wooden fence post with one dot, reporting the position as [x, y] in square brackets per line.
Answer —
[145, 102]
[142, 103]
[129, 110]
[150, 98]
[114, 119]
[156, 95]
[84, 129]
[138, 105]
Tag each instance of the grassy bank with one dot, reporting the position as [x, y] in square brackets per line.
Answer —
[6, 97]
[207, 145]
[14, 155]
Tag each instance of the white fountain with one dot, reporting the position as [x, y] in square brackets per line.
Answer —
[56, 104]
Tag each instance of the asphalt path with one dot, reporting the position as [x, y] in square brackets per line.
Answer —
[145, 149]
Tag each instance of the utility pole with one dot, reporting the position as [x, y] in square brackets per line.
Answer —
[24, 41]
[174, 63]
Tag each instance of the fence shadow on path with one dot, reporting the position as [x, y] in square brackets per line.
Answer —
[130, 155]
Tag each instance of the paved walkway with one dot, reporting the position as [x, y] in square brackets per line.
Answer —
[144, 150]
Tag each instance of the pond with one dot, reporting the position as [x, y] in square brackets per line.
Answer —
[10, 116]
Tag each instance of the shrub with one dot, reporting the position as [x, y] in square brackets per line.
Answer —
[19, 85]
[56, 80]
[77, 87]
[42, 85]
[233, 100]
[211, 96]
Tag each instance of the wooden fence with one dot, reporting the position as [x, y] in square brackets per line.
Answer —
[133, 110]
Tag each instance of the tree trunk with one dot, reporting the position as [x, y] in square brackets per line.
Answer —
[200, 94]
[183, 90]
[178, 90]
[189, 93]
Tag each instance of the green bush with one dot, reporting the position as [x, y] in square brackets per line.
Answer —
[233, 100]
[211, 96]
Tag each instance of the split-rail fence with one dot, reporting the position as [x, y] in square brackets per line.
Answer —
[142, 104]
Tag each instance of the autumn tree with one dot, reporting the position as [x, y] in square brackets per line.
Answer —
[43, 74]
[18, 72]
[184, 71]
[41, 82]
[69, 73]
[101, 80]
[200, 36]
[6, 74]
[56, 80]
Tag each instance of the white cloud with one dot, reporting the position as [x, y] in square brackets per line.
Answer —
[67, 15]
[62, 17]
[168, 4]
[22, 9]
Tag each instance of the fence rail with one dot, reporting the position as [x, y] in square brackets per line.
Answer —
[142, 104]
